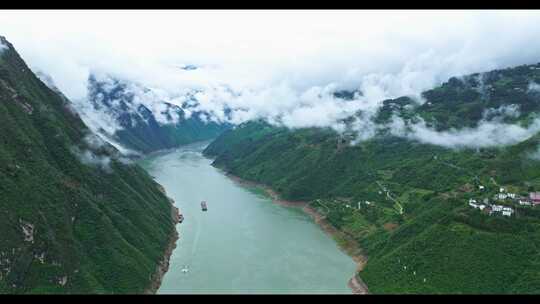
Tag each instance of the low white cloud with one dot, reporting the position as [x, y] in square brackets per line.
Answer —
[486, 134]
[46, 79]
[279, 66]
[92, 154]
[96, 120]
[491, 130]
[98, 140]
[3, 47]
[405, 51]
[533, 87]
[89, 158]
[499, 113]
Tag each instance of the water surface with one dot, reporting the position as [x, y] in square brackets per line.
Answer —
[244, 243]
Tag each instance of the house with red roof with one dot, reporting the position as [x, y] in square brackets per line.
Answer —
[535, 197]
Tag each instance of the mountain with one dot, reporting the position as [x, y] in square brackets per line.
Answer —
[406, 200]
[75, 215]
[139, 119]
[462, 102]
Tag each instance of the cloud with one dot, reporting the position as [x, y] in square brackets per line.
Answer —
[486, 134]
[98, 152]
[99, 140]
[491, 130]
[3, 47]
[87, 157]
[501, 112]
[47, 80]
[276, 65]
[305, 48]
[95, 119]
[533, 87]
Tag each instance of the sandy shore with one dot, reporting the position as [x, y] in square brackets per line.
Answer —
[163, 265]
[349, 245]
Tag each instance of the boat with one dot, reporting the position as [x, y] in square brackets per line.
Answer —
[180, 218]
[203, 206]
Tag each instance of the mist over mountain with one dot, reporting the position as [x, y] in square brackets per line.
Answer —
[137, 119]
[414, 138]
[287, 77]
[489, 109]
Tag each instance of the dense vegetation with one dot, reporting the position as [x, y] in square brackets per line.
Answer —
[416, 228]
[74, 216]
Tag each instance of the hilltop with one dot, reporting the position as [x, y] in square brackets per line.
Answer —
[404, 196]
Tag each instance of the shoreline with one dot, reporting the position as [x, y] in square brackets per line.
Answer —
[349, 246]
[163, 265]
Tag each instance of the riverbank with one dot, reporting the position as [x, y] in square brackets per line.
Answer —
[345, 242]
[163, 265]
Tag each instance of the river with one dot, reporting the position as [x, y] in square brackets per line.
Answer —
[244, 243]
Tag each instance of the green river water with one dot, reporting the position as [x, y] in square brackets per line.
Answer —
[244, 243]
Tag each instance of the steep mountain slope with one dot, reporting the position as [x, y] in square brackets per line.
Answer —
[75, 217]
[405, 201]
[138, 119]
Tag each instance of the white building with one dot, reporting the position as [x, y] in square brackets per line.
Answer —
[481, 187]
[507, 213]
[496, 208]
[511, 195]
[475, 206]
[524, 202]
[501, 190]
[502, 196]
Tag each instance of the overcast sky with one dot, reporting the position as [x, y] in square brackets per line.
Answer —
[281, 61]
[258, 49]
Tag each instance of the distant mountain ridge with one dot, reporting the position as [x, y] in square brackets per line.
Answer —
[138, 119]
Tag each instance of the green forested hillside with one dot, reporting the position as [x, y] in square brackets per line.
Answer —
[417, 229]
[74, 216]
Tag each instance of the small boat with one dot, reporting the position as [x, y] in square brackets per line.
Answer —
[203, 206]
[180, 218]
[185, 269]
